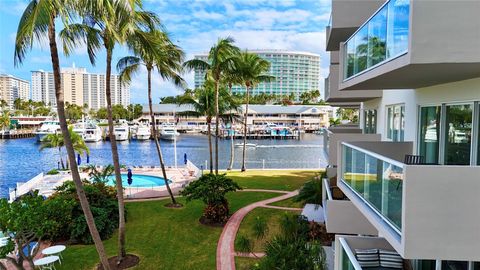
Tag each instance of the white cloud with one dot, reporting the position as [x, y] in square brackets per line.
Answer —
[205, 15]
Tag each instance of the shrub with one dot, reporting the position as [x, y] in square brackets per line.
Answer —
[52, 172]
[64, 207]
[311, 191]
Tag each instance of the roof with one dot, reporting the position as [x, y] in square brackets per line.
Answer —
[272, 51]
[167, 108]
[291, 109]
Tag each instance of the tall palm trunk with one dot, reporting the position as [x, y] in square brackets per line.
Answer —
[245, 129]
[68, 145]
[116, 162]
[209, 135]
[61, 159]
[232, 131]
[217, 122]
[155, 136]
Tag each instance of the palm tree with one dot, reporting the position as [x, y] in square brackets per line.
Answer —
[5, 120]
[36, 24]
[3, 104]
[251, 68]
[203, 105]
[219, 60]
[156, 52]
[102, 175]
[107, 23]
[232, 78]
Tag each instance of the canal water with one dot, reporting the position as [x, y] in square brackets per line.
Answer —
[21, 159]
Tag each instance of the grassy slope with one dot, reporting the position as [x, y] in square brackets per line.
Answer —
[289, 203]
[275, 179]
[245, 263]
[164, 238]
[272, 216]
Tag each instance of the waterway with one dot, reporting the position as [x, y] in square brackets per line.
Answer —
[21, 159]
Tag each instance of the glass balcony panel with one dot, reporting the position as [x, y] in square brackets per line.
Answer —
[383, 37]
[377, 181]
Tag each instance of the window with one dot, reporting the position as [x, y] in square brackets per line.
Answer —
[430, 133]
[396, 123]
[370, 122]
[458, 134]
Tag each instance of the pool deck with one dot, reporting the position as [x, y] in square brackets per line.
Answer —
[179, 177]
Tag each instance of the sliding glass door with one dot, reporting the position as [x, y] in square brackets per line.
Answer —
[458, 134]
[430, 133]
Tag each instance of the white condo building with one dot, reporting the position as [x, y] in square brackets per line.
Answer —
[12, 88]
[80, 87]
[295, 72]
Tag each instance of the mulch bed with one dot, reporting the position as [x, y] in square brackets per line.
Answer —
[207, 222]
[129, 261]
[171, 205]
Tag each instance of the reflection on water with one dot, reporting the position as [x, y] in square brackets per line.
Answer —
[21, 159]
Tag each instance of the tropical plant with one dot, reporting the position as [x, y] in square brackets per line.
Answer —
[109, 23]
[155, 52]
[244, 244]
[252, 69]
[56, 140]
[211, 189]
[100, 175]
[26, 221]
[231, 78]
[219, 62]
[37, 24]
[291, 249]
[3, 104]
[311, 192]
[73, 111]
[203, 101]
[334, 121]
[5, 120]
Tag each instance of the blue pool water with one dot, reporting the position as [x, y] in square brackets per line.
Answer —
[139, 180]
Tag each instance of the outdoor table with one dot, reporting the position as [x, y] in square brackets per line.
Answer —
[55, 250]
[46, 262]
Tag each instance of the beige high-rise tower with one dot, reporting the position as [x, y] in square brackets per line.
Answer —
[12, 88]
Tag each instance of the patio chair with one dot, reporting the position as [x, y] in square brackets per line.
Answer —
[414, 160]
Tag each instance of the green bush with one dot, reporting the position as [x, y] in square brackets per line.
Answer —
[52, 172]
[64, 207]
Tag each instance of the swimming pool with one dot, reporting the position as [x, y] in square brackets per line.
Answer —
[139, 180]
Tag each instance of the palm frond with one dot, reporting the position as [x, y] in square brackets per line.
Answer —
[127, 67]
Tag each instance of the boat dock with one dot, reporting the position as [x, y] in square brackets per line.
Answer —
[17, 134]
[260, 136]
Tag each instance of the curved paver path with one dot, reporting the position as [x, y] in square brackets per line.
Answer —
[225, 247]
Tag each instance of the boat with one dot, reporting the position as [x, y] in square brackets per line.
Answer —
[168, 132]
[122, 132]
[47, 127]
[92, 133]
[248, 145]
[143, 133]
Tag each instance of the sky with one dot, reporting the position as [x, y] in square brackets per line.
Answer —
[194, 25]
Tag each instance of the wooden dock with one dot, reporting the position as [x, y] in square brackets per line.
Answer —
[17, 134]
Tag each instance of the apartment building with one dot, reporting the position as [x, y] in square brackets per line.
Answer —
[80, 87]
[295, 72]
[402, 186]
[12, 88]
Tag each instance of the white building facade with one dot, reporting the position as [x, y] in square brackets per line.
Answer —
[12, 88]
[80, 87]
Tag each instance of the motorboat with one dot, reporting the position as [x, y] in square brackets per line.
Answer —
[92, 133]
[47, 127]
[143, 133]
[248, 145]
[168, 132]
[122, 132]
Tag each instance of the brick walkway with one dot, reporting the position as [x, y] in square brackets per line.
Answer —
[226, 248]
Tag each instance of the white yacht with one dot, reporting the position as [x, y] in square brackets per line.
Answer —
[122, 132]
[92, 133]
[47, 127]
[168, 132]
[143, 133]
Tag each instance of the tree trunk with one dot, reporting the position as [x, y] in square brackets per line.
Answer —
[68, 145]
[209, 135]
[245, 131]
[232, 146]
[61, 159]
[116, 162]
[217, 122]
[155, 137]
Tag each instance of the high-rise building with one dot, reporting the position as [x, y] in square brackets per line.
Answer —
[12, 88]
[294, 72]
[402, 188]
[80, 87]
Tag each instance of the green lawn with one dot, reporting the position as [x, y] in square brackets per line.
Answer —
[289, 203]
[272, 216]
[242, 263]
[164, 238]
[275, 179]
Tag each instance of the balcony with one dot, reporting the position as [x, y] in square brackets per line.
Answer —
[341, 216]
[347, 248]
[404, 46]
[346, 17]
[333, 95]
[424, 211]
